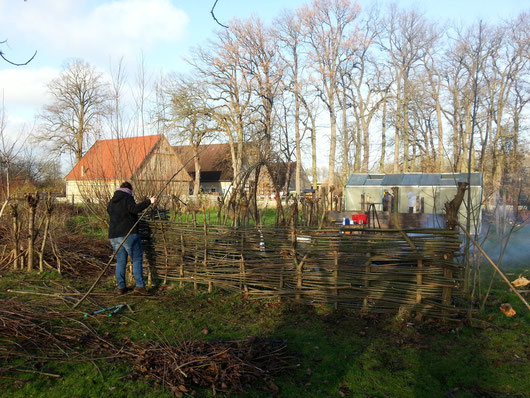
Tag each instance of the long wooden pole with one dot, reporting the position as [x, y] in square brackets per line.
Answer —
[477, 245]
[128, 233]
[3, 207]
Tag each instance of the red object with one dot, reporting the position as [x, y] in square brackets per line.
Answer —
[359, 219]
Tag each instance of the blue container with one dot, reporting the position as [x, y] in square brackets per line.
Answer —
[345, 221]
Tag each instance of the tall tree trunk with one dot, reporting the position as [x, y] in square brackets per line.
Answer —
[197, 181]
[383, 140]
[32, 205]
[466, 138]
[298, 178]
[439, 125]
[345, 140]
[397, 133]
[405, 129]
[366, 146]
[414, 140]
[358, 147]
[332, 143]
[314, 151]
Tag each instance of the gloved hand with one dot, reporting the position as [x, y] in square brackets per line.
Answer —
[153, 199]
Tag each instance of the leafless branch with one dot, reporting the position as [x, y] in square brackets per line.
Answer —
[213, 15]
[14, 63]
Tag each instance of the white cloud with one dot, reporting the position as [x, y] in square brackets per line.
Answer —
[95, 30]
[24, 87]
[80, 29]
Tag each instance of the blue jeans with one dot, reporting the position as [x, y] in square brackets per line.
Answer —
[132, 247]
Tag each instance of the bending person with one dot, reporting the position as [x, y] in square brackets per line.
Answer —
[123, 213]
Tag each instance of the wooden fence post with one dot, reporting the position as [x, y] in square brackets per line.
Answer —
[451, 217]
[32, 203]
[367, 271]
[181, 271]
[419, 283]
[298, 265]
[205, 260]
[49, 210]
[242, 269]
[336, 272]
[195, 260]
[446, 291]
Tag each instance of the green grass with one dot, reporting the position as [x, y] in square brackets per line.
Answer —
[268, 217]
[87, 225]
[91, 226]
[334, 353]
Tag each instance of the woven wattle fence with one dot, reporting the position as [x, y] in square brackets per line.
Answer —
[374, 270]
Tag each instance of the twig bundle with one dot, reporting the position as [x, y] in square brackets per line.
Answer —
[217, 365]
[38, 334]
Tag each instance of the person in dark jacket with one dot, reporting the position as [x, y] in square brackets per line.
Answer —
[388, 201]
[123, 212]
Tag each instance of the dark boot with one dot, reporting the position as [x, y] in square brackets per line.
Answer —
[141, 291]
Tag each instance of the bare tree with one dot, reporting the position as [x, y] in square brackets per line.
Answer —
[329, 28]
[289, 34]
[72, 120]
[117, 118]
[260, 61]
[366, 87]
[13, 161]
[435, 81]
[219, 65]
[408, 37]
[507, 63]
[141, 94]
[6, 152]
[457, 110]
[190, 117]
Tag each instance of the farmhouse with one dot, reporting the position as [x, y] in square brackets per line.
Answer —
[216, 166]
[147, 161]
[217, 174]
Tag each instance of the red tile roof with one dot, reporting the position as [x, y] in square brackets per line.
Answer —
[113, 159]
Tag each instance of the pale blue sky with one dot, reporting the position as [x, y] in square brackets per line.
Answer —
[101, 31]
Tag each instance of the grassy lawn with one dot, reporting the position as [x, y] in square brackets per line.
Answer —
[87, 225]
[332, 353]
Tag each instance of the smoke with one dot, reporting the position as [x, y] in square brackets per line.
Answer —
[517, 252]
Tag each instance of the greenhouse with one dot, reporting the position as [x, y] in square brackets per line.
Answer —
[431, 192]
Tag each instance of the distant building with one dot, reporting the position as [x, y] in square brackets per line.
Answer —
[217, 173]
[147, 161]
[215, 161]
[284, 171]
[432, 191]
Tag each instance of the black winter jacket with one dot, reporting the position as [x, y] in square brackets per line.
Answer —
[123, 212]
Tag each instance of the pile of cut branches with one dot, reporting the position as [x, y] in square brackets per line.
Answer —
[36, 333]
[218, 365]
[81, 255]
